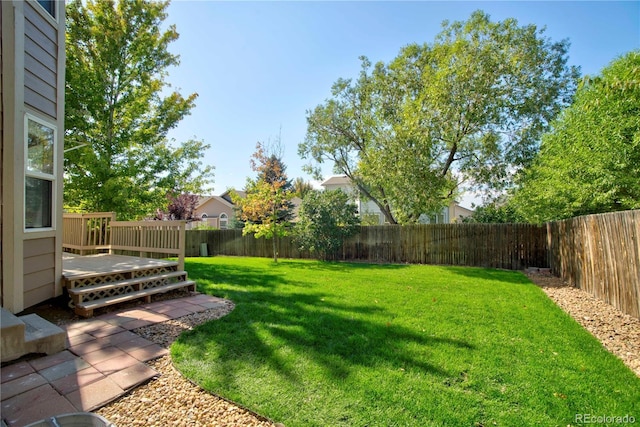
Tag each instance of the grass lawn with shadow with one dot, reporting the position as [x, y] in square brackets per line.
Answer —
[328, 344]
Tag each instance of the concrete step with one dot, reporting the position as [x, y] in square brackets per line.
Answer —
[11, 336]
[29, 334]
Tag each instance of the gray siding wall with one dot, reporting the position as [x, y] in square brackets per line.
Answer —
[39, 270]
[40, 62]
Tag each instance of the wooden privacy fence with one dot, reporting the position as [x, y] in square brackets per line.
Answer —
[601, 255]
[597, 253]
[511, 246]
[232, 242]
[93, 232]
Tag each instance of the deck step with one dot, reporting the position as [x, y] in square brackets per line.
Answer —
[130, 282]
[85, 309]
[29, 334]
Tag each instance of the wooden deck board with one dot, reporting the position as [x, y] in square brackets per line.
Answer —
[91, 265]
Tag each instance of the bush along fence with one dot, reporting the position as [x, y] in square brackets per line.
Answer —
[597, 253]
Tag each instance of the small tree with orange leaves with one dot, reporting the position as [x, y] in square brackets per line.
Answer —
[267, 209]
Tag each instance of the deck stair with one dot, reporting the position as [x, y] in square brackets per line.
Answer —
[102, 280]
[29, 334]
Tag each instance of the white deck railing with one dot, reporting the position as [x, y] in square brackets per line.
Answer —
[92, 232]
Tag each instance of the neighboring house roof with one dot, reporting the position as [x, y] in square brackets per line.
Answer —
[336, 180]
[202, 200]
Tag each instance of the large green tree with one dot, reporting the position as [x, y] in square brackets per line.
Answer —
[468, 109]
[590, 160]
[119, 110]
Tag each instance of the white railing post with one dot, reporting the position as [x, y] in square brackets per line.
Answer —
[181, 245]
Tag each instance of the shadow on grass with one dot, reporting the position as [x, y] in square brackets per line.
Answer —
[491, 274]
[344, 266]
[270, 316]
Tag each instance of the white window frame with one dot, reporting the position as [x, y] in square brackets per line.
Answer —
[45, 13]
[53, 177]
[224, 217]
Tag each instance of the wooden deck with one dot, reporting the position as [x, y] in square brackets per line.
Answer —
[95, 281]
[95, 265]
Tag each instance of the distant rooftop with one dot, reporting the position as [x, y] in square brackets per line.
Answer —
[336, 180]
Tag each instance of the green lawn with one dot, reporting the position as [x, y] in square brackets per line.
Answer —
[328, 344]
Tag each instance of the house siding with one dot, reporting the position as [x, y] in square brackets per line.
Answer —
[40, 63]
[448, 214]
[39, 270]
[214, 207]
[32, 82]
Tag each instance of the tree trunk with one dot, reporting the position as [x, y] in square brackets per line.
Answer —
[275, 252]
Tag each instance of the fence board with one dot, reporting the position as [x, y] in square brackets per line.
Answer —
[597, 253]
[601, 255]
[512, 246]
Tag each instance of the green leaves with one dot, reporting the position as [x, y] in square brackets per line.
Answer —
[325, 219]
[468, 108]
[267, 209]
[119, 111]
[590, 160]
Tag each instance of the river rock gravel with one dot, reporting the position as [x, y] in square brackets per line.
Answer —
[618, 332]
[172, 400]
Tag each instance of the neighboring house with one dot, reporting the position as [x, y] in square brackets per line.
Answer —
[219, 211]
[32, 56]
[214, 211]
[371, 213]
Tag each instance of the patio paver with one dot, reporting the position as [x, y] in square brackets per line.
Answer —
[104, 360]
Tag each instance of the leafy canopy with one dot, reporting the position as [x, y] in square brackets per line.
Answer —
[467, 109]
[325, 220]
[266, 209]
[119, 109]
[590, 160]
[180, 207]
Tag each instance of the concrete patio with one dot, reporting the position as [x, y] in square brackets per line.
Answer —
[103, 361]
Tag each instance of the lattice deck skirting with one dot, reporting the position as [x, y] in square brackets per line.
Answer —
[98, 281]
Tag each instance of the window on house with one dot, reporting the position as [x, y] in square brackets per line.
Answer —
[203, 216]
[40, 169]
[49, 6]
[224, 221]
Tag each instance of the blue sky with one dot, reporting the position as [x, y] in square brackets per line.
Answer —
[259, 66]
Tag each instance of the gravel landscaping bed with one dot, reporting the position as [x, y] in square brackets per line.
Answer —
[173, 400]
[618, 332]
